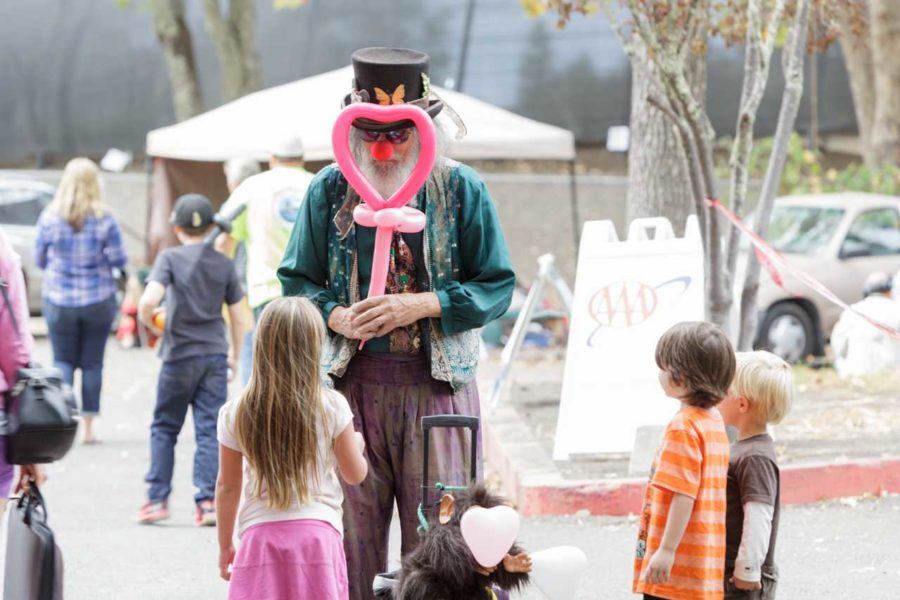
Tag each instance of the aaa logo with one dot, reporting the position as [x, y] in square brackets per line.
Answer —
[629, 303]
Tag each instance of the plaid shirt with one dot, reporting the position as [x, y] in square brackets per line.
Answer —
[78, 265]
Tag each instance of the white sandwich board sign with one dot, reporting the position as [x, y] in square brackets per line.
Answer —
[627, 294]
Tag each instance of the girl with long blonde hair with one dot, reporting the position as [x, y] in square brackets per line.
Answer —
[79, 245]
[281, 439]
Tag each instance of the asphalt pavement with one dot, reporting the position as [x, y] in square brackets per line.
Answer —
[844, 550]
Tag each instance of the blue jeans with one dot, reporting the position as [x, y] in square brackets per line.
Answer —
[246, 366]
[78, 335]
[202, 383]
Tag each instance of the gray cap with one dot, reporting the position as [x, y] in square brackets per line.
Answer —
[877, 283]
[288, 146]
[239, 169]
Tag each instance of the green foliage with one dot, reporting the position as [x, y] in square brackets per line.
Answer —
[725, 19]
[288, 4]
[805, 174]
[276, 4]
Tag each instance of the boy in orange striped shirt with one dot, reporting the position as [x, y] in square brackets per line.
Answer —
[681, 542]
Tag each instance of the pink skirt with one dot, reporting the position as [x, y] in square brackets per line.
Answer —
[286, 560]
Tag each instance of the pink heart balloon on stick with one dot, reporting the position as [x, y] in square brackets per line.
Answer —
[386, 215]
[489, 532]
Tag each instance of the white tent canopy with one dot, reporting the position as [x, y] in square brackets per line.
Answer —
[250, 125]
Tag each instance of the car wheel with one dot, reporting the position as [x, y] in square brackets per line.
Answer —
[788, 332]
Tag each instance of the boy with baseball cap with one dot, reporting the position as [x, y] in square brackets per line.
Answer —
[196, 280]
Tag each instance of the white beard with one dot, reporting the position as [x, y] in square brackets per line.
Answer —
[386, 176]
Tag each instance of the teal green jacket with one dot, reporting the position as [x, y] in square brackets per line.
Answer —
[461, 252]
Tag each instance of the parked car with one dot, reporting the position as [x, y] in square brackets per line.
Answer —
[21, 203]
[837, 238]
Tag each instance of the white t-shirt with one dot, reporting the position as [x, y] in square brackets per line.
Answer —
[325, 501]
[860, 348]
[273, 199]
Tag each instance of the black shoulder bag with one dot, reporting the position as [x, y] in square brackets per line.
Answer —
[34, 566]
[40, 418]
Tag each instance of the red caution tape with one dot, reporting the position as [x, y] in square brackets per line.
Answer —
[770, 258]
[771, 270]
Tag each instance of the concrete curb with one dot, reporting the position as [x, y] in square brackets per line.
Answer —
[534, 484]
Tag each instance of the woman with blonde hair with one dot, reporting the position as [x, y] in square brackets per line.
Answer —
[282, 439]
[78, 245]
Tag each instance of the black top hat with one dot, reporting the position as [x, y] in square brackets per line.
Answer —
[392, 76]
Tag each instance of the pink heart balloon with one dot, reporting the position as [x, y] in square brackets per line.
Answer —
[490, 532]
[386, 215]
[340, 141]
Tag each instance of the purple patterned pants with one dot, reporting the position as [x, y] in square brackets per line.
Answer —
[389, 395]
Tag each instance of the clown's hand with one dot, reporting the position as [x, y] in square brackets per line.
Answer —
[519, 563]
[340, 321]
[380, 315]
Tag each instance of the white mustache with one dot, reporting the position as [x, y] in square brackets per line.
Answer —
[386, 176]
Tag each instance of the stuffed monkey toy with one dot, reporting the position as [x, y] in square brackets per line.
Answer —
[442, 566]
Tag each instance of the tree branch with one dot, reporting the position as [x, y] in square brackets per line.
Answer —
[793, 58]
[760, 44]
[690, 153]
[672, 70]
[243, 19]
[175, 38]
[233, 39]
[624, 37]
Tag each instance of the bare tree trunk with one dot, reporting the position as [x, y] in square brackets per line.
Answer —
[814, 101]
[857, 50]
[719, 299]
[658, 173]
[234, 37]
[670, 58]
[792, 60]
[175, 39]
[702, 140]
[243, 14]
[885, 26]
[757, 59]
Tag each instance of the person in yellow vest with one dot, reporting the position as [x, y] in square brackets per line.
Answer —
[273, 199]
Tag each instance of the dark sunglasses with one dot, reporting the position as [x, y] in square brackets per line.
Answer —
[395, 137]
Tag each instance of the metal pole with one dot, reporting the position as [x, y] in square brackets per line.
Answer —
[514, 343]
[813, 141]
[151, 171]
[464, 52]
[573, 197]
[814, 101]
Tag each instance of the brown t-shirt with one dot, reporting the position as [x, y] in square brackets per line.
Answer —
[753, 476]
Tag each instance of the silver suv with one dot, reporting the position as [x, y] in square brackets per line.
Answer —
[21, 203]
[837, 238]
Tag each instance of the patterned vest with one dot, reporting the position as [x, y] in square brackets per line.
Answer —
[454, 358]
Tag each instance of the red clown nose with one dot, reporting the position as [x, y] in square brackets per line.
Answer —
[382, 150]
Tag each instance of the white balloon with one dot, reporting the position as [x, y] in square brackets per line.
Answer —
[556, 571]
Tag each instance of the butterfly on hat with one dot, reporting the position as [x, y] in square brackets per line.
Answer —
[397, 97]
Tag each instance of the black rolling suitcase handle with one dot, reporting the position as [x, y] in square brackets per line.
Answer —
[448, 421]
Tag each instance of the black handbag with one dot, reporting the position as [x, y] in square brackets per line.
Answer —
[39, 418]
[34, 566]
